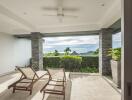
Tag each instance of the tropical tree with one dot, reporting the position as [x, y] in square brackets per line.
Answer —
[67, 51]
[56, 53]
[97, 51]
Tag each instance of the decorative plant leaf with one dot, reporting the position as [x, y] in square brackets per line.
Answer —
[115, 53]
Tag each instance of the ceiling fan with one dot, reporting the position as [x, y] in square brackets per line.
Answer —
[60, 11]
[61, 16]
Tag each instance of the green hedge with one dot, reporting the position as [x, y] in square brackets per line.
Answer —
[91, 61]
[72, 63]
[53, 62]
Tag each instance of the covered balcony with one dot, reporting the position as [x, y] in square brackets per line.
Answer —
[24, 24]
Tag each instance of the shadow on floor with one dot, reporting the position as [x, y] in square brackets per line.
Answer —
[36, 95]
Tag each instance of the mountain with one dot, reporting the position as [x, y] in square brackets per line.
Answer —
[87, 53]
[74, 53]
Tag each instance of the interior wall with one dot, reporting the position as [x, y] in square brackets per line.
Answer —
[13, 52]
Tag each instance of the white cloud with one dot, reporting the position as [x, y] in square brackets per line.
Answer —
[80, 49]
[76, 43]
[72, 40]
[48, 46]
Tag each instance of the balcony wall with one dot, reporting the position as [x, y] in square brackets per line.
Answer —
[13, 52]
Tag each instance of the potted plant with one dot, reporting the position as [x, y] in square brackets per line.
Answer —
[116, 65]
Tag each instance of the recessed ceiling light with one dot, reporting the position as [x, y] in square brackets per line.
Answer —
[25, 13]
[102, 4]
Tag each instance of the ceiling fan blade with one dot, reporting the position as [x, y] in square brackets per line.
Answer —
[48, 15]
[71, 9]
[74, 16]
[49, 8]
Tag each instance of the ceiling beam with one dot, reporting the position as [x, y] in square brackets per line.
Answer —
[116, 26]
[26, 36]
[77, 33]
[59, 34]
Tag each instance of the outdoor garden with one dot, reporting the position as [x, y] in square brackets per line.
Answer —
[73, 62]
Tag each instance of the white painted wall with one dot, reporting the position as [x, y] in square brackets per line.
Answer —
[13, 52]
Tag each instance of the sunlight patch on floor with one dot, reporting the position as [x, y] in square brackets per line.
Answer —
[39, 95]
[4, 85]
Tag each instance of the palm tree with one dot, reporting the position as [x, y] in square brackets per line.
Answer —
[67, 51]
[56, 53]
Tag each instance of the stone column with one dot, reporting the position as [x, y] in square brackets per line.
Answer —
[37, 50]
[105, 43]
[126, 63]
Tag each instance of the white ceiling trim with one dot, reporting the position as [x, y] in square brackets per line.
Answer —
[72, 28]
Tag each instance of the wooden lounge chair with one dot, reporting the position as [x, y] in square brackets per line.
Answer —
[57, 80]
[27, 79]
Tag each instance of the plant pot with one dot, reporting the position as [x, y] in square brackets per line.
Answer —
[116, 72]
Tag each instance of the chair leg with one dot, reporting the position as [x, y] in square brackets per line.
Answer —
[43, 95]
[31, 92]
[64, 93]
[31, 88]
[14, 90]
[64, 97]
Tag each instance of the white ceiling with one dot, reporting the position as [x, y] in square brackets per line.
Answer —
[25, 16]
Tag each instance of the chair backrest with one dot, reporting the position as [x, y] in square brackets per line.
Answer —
[28, 72]
[56, 73]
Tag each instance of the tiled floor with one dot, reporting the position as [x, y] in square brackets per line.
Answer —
[6, 94]
[92, 87]
[84, 87]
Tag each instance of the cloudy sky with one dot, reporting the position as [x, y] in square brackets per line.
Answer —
[79, 44]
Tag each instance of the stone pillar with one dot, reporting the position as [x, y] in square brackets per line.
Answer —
[105, 43]
[37, 50]
[126, 63]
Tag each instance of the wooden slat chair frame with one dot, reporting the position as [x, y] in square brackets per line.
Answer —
[23, 77]
[53, 91]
